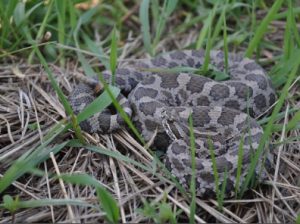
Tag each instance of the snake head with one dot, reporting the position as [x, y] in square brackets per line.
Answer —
[172, 124]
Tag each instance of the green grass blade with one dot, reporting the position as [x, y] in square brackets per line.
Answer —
[205, 28]
[268, 129]
[145, 26]
[120, 110]
[225, 42]
[288, 42]
[193, 177]
[118, 156]
[113, 55]
[262, 28]
[293, 122]
[215, 170]
[279, 72]
[109, 205]
[49, 202]
[53, 82]
[218, 27]
[239, 165]
[61, 96]
[21, 22]
[166, 214]
[72, 14]
[25, 164]
[295, 28]
[107, 202]
[98, 50]
[7, 10]
[61, 23]
[100, 103]
[168, 7]
[222, 192]
[206, 62]
[111, 91]
[41, 30]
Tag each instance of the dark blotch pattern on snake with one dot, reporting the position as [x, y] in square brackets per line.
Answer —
[162, 102]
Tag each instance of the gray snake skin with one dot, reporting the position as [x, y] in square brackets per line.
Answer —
[161, 102]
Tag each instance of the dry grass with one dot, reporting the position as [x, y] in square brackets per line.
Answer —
[29, 108]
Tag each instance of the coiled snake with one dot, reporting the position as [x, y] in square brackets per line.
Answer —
[161, 102]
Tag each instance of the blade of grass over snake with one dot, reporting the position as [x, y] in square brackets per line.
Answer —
[239, 165]
[268, 129]
[145, 26]
[100, 103]
[215, 173]
[262, 28]
[110, 91]
[222, 192]
[193, 177]
[120, 110]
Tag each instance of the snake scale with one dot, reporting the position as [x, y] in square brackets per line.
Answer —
[161, 102]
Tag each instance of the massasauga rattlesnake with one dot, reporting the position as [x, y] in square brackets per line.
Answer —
[163, 101]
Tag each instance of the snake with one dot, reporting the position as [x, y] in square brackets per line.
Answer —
[168, 99]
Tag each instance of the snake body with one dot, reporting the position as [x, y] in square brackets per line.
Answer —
[160, 104]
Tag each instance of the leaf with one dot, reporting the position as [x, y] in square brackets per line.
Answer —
[166, 213]
[109, 205]
[9, 203]
[100, 103]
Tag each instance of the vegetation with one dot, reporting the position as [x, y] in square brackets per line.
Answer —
[47, 162]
